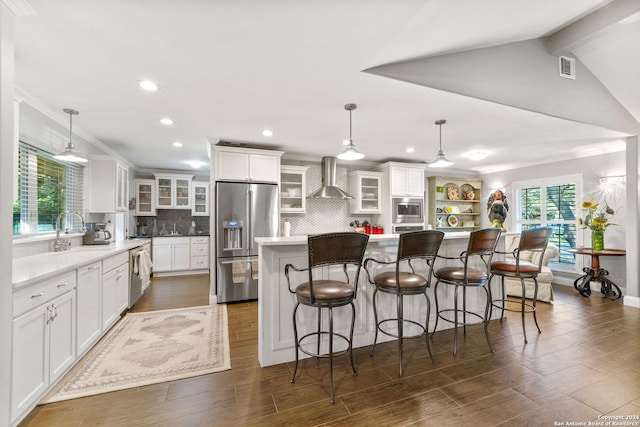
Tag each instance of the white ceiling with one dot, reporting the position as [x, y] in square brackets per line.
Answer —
[229, 69]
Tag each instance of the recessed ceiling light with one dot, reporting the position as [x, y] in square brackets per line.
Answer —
[148, 85]
[477, 155]
[410, 150]
[267, 132]
[177, 144]
[166, 121]
[195, 165]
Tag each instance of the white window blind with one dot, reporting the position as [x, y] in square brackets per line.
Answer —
[46, 187]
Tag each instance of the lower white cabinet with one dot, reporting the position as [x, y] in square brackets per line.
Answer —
[200, 253]
[115, 288]
[88, 296]
[171, 254]
[44, 339]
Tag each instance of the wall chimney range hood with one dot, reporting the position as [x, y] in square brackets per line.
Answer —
[329, 189]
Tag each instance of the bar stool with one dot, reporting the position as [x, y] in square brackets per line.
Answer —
[411, 246]
[326, 250]
[480, 249]
[533, 240]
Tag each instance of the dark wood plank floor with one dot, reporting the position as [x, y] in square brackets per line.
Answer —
[586, 363]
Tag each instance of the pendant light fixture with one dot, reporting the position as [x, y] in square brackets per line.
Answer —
[70, 154]
[440, 161]
[350, 153]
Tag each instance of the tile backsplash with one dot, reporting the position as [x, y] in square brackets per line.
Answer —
[167, 218]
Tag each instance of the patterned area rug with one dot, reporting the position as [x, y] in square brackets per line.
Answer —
[148, 348]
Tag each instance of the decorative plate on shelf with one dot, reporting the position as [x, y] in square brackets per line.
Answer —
[453, 192]
[468, 192]
[452, 220]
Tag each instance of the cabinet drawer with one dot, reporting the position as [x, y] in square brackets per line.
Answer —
[110, 263]
[32, 296]
[199, 262]
[167, 241]
[198, 249]
[200, 240]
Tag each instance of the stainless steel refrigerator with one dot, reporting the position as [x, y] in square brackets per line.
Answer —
[243, 212]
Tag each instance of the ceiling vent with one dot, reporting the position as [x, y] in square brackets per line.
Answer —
[567, 67]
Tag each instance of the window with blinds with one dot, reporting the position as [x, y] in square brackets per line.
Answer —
[46, 187]
[552, 202]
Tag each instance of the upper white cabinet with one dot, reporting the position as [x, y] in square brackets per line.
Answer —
[108, 185]
[365, 187]
[407, 180]
[293, 189]
[173, 191]
[200, 198]
[145, 197]
[246, 164]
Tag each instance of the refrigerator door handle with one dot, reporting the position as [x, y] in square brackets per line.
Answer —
[250, 219]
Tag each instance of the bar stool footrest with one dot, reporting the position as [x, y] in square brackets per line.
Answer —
[325, 355]
[423, 333]
[504, 307]
[460, 313]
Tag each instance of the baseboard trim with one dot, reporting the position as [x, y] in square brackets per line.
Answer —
[632, 301]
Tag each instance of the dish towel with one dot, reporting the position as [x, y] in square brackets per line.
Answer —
[145, 265]
[254, 269]
[238, 271]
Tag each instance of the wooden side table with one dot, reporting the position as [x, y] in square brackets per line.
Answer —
[594, 272]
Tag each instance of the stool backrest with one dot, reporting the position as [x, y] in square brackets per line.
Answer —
[483, 242]
[534, 240]
[337, 248]
[419, 244]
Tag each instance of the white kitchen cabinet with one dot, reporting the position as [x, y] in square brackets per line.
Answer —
[200, 198]
[407, 181]
[246, 164]
[173, 191]
[88, 308]
[200, 253]
[293, 189]
[115, 288]
[44, 338]
[366, 189]
[108, 185]
[145, 197]
[171, 254]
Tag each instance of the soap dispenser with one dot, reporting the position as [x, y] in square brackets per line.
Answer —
[192, 229]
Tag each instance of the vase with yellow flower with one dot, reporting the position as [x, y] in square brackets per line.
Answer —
[597, 220]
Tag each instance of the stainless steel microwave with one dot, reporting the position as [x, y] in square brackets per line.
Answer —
[408, 210]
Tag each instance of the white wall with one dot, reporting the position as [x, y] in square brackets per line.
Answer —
[592, 169]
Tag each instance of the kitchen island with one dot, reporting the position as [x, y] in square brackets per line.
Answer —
[275, 302]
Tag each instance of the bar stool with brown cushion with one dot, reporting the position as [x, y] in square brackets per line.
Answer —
[411, 246]
[480, 249]
[325, 250]
[535, 241]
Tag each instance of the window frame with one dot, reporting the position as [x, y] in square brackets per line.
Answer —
[74, 177]
[543, 184]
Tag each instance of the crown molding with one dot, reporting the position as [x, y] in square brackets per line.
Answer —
[19, 7]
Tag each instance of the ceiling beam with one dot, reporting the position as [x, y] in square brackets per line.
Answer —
[593, 26]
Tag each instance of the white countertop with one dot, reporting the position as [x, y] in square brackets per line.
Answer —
[30, 269]
[302, 240]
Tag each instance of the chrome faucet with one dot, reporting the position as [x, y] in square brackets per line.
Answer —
[64, 244]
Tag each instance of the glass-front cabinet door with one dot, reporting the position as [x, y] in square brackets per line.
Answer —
[145, 197]
[366, 190]
[183, 190]
[173, 191]
[165, 191]
[200, 204]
